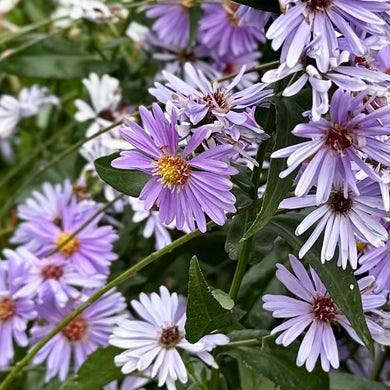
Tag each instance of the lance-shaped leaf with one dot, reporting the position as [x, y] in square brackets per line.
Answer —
[288, 115]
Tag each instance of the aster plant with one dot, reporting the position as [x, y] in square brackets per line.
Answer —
[159, 161]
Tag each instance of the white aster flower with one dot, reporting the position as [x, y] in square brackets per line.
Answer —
[154, 340]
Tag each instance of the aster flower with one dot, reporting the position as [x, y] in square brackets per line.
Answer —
[90, 251]
[47, 205]
[83, 335]
[28, 103]
[319, 22]
[52, 276]
[95, 11]
[15, 310]
[129, 383]
[342, 217]
[153, 341]
[180, 187]
[203, 102]
[220, 30]
[349, 138]
[348, 78]
[376, 261]
[314, 308]
[173, 22]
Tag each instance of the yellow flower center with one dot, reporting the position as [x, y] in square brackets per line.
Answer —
[70, 247]
[361, 246]
[7, 309]
[173, 169]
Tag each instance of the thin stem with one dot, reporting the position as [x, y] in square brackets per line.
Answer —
[84, 225]
[122, 277]
[379, 363]
[268, 65]
[241, 343]
[52, 162]
[39, 149]
[24, 30]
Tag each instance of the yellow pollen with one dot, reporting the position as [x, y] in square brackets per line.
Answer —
[173, 169]
[7, 309]
[70, 247]
[361, 246]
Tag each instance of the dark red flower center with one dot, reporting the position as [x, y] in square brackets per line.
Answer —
[52, 272]
[324, 309]
[319, 5]
[170, 336]
[7, 309]
[338, 138]
[76, 329]
[339, 203]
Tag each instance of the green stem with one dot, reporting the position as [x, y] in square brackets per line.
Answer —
[268, 65]
[37, 151]
[52, 162]
[122, 277]
[24, 30]
[84, 225]
[379, 363]
[246, 248]
[241, 343]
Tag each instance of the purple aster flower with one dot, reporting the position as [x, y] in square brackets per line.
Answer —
[202, 102]
[83, 335]
[348, 78]
[15, 310]
[221, 31]
[351, 136]
[46, 206]
[173, 22]
[180, 187]
[53, 276]
[318, 23]
[377, 262]
[314, 308]
[343, 217]
[90, 251]
[153, 341]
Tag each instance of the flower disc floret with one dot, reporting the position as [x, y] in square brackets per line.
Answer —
[70, 247]
[319, 5]
[76, 329]
[324, 309]
[7, 309]
[52, 271]
[173, 169]
[170, 336]
[338, 138]
[339, 203]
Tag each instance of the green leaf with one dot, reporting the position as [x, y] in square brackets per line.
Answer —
[264, 5]
[127, 181]
[54, 57]
[342, 381]
[277, 363]
[252, 380]
[341, 284]
[195, 13]
[288, 115]
[204, 312]
[98, 370]
[236, 229]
